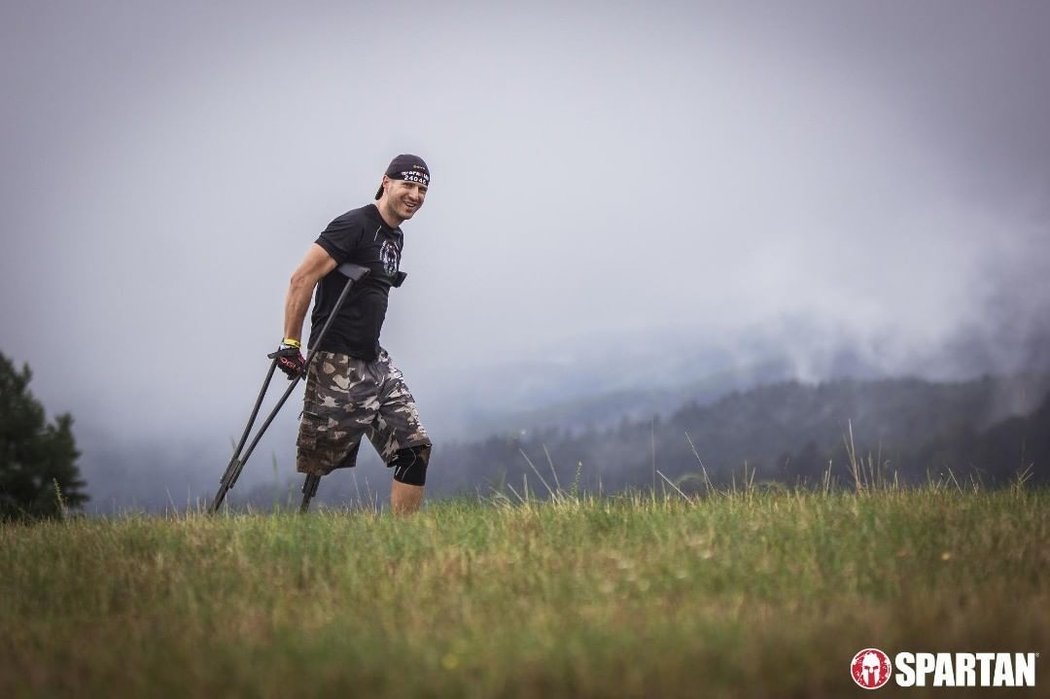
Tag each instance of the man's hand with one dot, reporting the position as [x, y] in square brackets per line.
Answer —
[289, 358]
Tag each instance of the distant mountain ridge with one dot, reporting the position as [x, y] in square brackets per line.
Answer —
[594, 382]
[787, 431]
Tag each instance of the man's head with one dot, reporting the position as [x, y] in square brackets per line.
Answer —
[403, 189]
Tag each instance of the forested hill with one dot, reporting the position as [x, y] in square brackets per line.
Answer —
[788, 432]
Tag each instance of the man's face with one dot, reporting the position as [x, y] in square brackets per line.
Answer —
[405, 198]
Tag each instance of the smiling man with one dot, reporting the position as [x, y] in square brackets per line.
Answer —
[352, 388]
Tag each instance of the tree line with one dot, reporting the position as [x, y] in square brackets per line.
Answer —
[39, 477]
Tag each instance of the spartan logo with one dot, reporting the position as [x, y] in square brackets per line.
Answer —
[390, 256]
[870, 668]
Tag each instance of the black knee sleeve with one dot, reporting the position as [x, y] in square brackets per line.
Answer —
[410, 465]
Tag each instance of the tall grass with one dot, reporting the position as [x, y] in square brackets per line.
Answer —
[749, 593]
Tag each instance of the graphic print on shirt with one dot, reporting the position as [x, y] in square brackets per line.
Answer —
[390, 256]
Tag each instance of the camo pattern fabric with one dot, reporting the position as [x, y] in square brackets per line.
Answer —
[347, 398]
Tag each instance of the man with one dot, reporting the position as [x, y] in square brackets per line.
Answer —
[352, 388]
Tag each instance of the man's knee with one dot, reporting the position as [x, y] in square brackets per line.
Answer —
[410, 465]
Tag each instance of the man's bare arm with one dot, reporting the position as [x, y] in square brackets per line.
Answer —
[315, 265]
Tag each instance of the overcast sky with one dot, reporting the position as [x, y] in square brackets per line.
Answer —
[879, 170]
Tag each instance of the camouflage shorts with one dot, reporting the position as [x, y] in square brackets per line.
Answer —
[347, 398]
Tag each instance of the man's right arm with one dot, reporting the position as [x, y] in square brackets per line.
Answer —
[315, 265]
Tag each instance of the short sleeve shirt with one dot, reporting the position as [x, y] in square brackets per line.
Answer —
[360, 237]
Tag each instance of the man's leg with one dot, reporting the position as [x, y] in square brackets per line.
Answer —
[410, 475]
[404, 498]
[399, 437]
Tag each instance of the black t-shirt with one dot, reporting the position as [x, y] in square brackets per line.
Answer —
[362, 238]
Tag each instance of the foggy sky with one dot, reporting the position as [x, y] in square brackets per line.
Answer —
[604, 174]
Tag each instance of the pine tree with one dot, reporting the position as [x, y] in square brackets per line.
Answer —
[39, 477]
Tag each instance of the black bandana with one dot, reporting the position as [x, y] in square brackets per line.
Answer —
[409, 168]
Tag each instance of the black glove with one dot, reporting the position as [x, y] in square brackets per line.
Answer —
[289, 358]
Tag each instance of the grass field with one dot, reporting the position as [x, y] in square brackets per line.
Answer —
[745, 594]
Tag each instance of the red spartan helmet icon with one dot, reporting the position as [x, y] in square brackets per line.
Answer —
[870, 668]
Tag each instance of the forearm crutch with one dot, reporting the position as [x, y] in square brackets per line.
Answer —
[353, 273]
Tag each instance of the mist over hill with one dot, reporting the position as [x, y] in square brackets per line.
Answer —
[597, 381]
[788, 432]
[770, 396]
